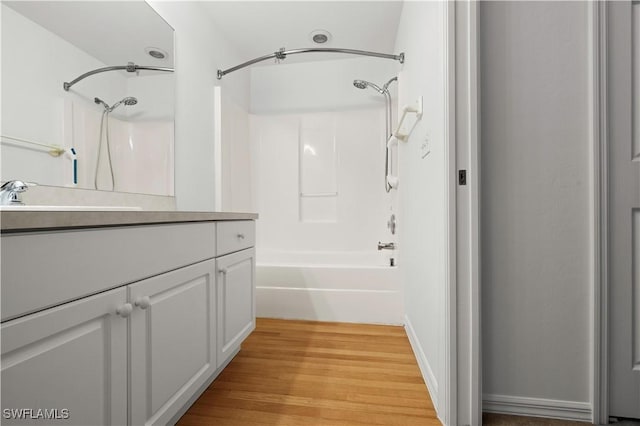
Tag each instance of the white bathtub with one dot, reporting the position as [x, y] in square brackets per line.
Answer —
[328, 286]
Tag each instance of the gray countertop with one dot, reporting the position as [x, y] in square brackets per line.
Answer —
[27, 221]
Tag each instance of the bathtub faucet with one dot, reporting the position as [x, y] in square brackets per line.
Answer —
[386, 246]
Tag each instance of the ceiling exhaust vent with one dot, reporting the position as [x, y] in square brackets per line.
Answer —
[320, 36]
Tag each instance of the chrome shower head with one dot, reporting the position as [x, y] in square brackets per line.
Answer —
[363, 84]
[128, 101]
[360, 84]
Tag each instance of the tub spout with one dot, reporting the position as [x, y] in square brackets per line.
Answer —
[386, 246]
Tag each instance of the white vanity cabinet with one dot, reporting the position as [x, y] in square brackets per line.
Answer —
[71, 358]
[173, 340]
[236, 301]
[135, 351]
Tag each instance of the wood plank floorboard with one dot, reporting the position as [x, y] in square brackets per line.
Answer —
[318, 373]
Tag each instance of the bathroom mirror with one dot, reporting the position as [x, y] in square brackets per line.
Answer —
[110, 131]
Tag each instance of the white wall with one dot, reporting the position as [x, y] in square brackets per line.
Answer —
[319, 85]
[200, 51]
[421, 194]
[535, 203]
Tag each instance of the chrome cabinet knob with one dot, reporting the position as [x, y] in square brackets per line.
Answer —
[125, 310]
[222, 270]
[143, 302]
[241, 236]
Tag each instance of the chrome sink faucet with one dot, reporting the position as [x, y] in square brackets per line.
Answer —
[10, 192]
[386, 246]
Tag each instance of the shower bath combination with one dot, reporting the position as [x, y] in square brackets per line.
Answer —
[362, 84]
[104, 124]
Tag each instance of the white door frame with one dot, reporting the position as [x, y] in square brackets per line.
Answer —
[599, 209]
[449, 390]
[463, 395]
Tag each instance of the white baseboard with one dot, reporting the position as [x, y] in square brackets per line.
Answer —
[318, 304]
[423, 363]
[537, 407]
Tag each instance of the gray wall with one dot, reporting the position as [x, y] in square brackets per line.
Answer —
[535, 199]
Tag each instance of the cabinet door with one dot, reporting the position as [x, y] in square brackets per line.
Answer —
[172, 340]
[70, 360]
[236, 301]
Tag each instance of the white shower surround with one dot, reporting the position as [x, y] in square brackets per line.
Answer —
[141, 152]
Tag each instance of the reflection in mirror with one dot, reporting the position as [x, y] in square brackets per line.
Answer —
[110, 131]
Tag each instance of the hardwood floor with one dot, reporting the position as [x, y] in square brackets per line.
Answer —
[315, 373]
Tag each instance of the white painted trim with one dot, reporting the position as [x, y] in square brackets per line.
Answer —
[426, 370]
[537, 407]
[463, 240]
[326, 304]
[474, 211]
[449, 404]
[217, 147]
[598, 219]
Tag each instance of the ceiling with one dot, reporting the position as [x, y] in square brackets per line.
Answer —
[257, 28]
[112, 32]
[116, 32]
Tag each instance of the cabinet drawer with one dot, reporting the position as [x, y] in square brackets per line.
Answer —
[41, 270]
[234, 236]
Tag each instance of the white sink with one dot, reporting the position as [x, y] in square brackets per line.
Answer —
[68, 208]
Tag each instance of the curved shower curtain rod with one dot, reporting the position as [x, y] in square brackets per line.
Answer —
[130, 67]
[282, 54]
